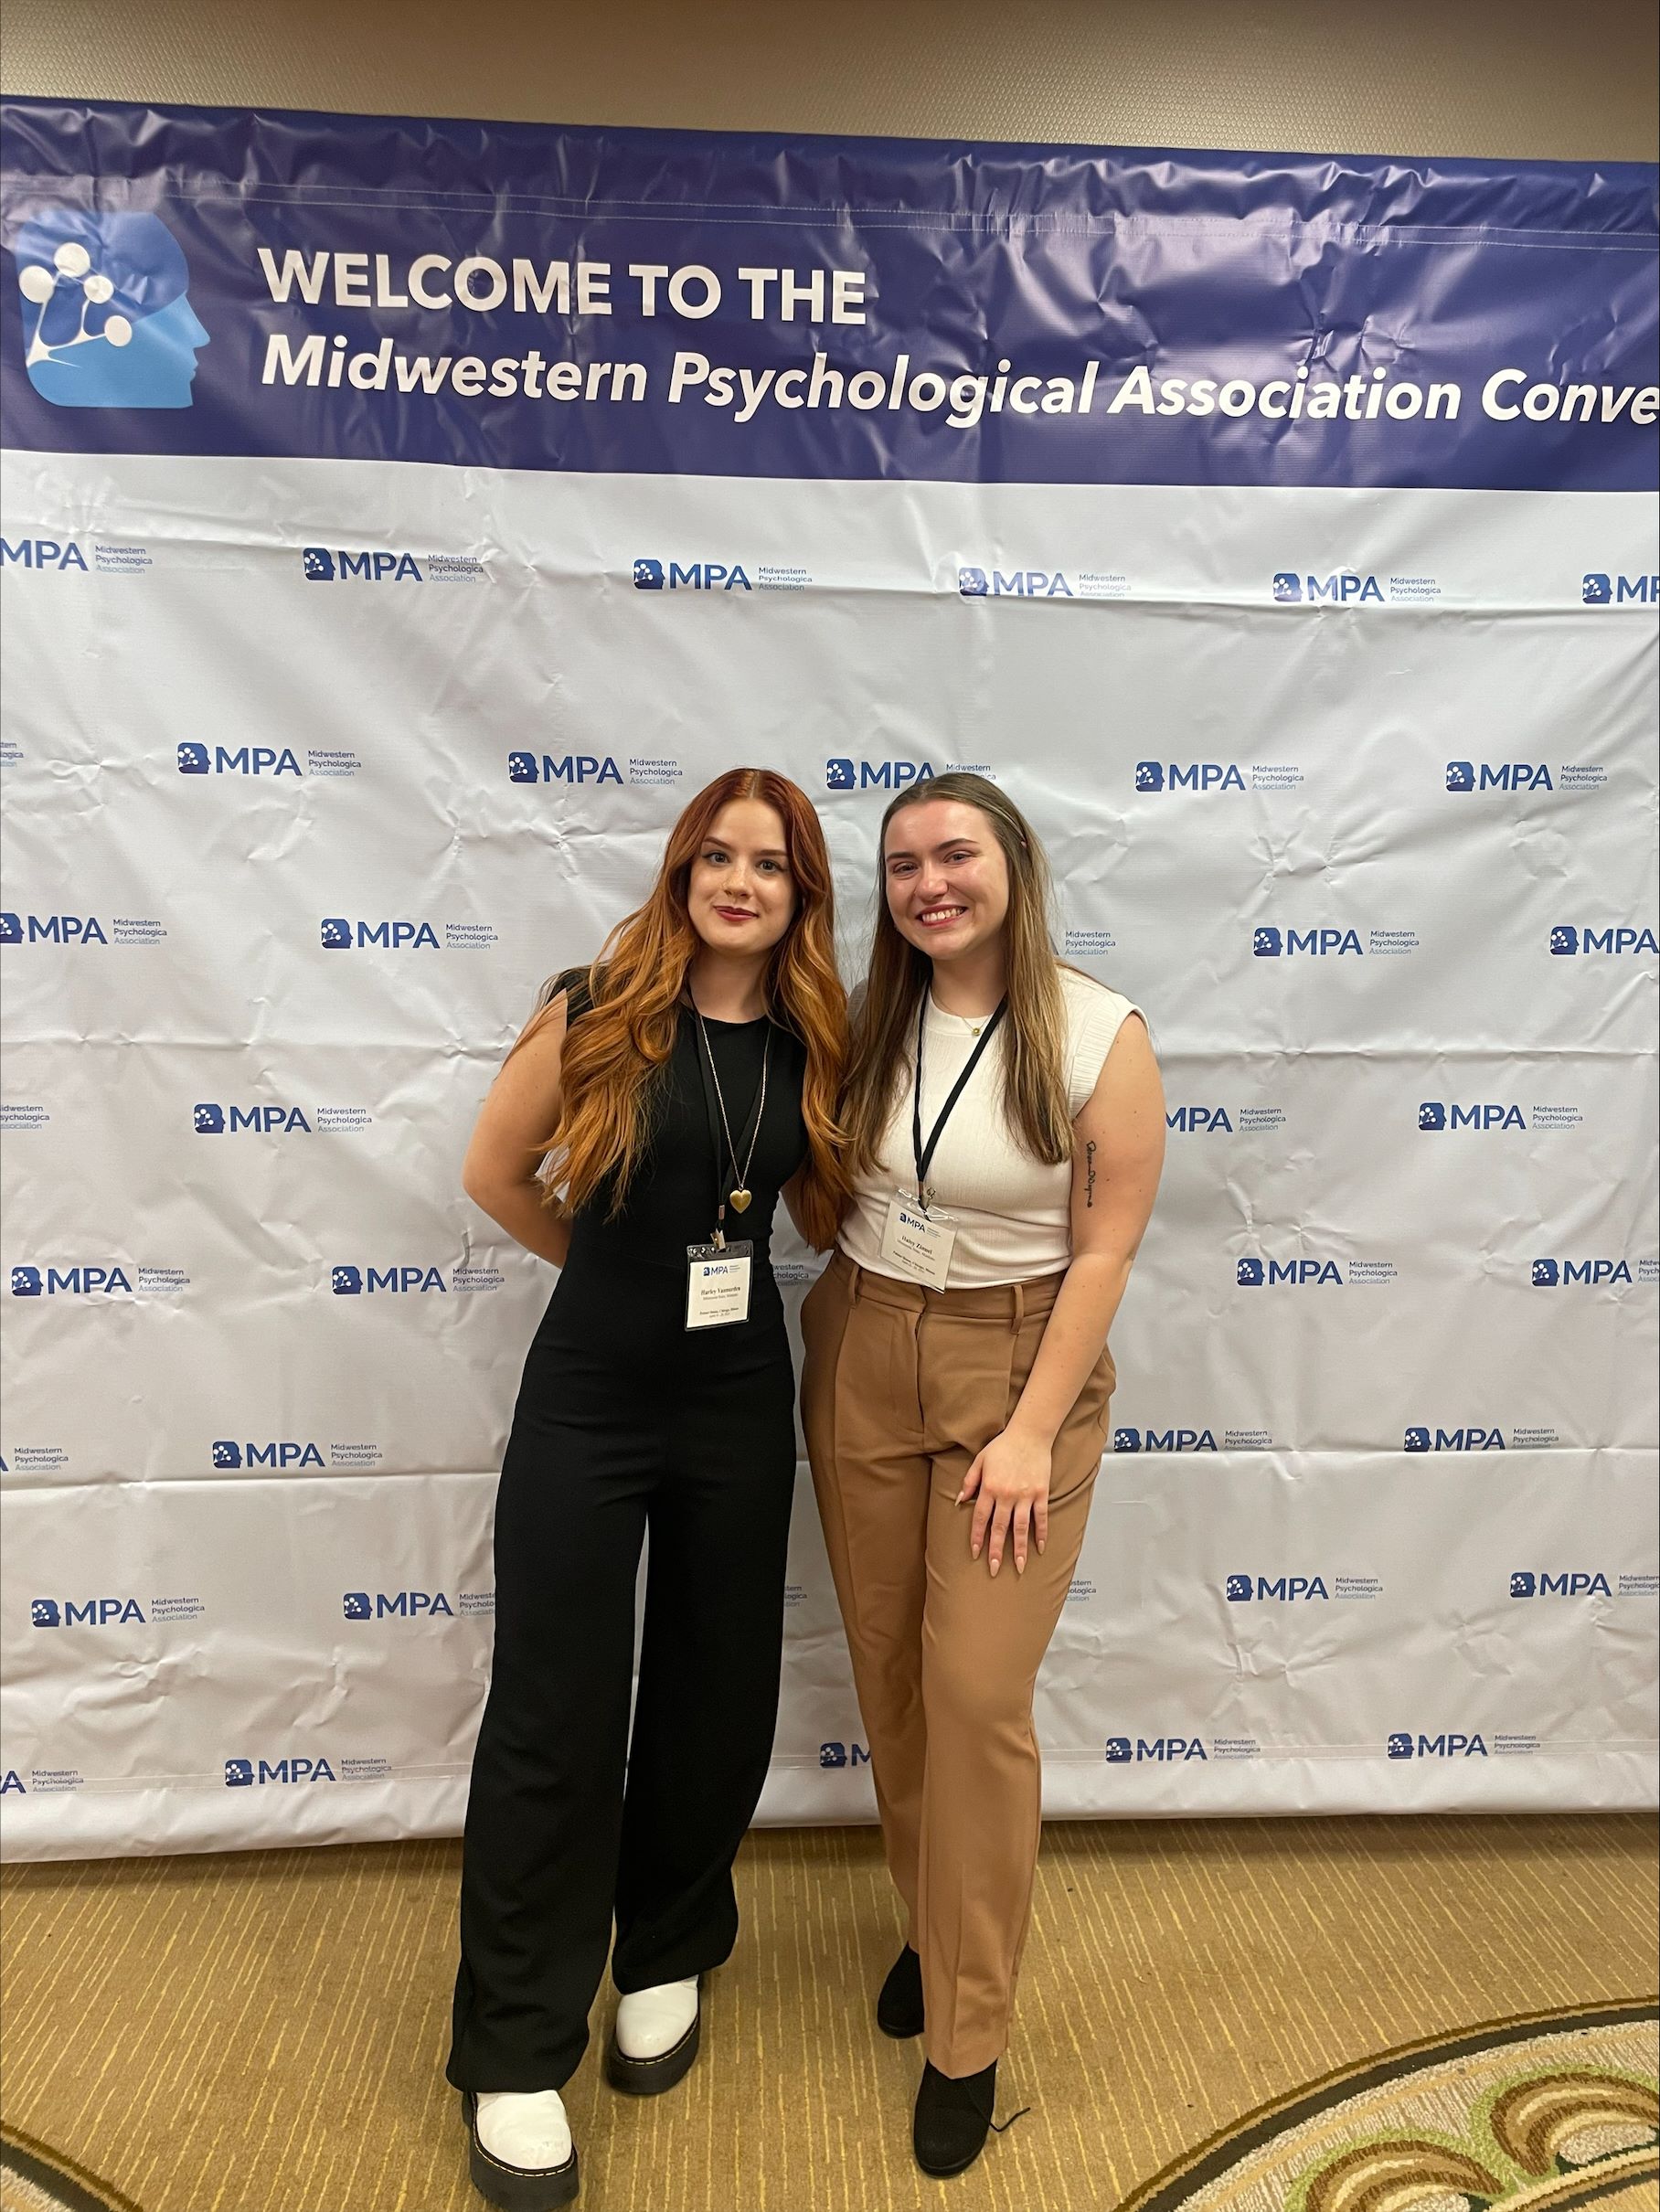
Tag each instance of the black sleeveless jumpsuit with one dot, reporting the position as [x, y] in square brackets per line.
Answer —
[625, 1423]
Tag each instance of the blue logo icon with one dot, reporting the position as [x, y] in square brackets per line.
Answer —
[970, 582]
[1126, 1440]
[1597, 591]
[1266, 945]
[111, 323]
[1460, 776]
[1565, 937]
[1247, 1275]
[26, 1282]
[346, 1282]
[336, 933]
[1418, 1440]
[1524, 1585]
[239, 1773]
[318, 564]
[193, 760]
[1432, 1114]
[356, 1605]
[1288, 586]
[208, 1120]
[521, 768]
[648, 576]
[227, 1454]
[1149, 775]
[44, 1613]
[1400, 1747]
[1239, 1588]
[11, 930]
[1545, 1273]
[839, 775]
[1118, 1750]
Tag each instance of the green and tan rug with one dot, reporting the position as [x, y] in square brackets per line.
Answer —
[1541, 2114]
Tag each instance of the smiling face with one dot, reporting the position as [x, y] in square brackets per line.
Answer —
[945, 878]
[741, 893]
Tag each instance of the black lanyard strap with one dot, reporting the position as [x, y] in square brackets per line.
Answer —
[923, 1153]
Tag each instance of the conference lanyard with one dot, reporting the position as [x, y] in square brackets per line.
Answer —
[718, 1272]
[923, 1153]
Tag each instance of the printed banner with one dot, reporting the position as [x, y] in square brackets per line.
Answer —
[402, 519]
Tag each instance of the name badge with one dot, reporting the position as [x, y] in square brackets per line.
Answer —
[916, 1246]
[717, 1284]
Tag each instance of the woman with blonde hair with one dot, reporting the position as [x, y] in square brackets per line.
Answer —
[1006, 1132]
[668, 1094]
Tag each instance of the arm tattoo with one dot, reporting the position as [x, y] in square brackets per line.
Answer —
[1088, 1174]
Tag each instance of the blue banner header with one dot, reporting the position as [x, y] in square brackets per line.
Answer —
[215, 282]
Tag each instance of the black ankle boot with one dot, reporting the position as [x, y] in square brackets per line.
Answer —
[948, 2132]
[899, 2008]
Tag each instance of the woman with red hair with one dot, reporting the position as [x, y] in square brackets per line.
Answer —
[639, 1136]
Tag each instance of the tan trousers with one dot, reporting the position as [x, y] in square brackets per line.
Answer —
[901, 1387]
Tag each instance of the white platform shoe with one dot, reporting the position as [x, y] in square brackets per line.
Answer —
[520, 2154]
[655, 2037]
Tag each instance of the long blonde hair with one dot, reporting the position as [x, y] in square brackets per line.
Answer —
[1036, 1105]
[614, 1057]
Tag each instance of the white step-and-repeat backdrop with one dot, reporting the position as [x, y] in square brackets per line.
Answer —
[402, 520]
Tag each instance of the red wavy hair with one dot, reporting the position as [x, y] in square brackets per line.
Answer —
[614, 1055]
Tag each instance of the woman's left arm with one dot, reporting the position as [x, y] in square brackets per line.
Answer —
[1116, 1158]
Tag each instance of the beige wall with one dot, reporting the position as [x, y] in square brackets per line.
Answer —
[1570, 80]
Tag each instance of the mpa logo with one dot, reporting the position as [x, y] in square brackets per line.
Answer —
[1163, 1439]
[320, 565]
[1599, 589]
[1502, 775]
[1193, 1120]
[1274, 944]
[1527, 1583]
[1195, 775]
[86, 1612]
[1571, 938]
[1470, 1438]
[575, 768]
[340, 935]
[1345, 587]
[697, 576]
[209, 1119]
[196, 759]
[397, 1604]
[1404, 1744]
[1433, 1113]
[42, 553]
[349, 1281]
[1168, 1751]
[51, 929]
[70, 1282]
[874, 775]
[250, 1774]
[1284, 1589]
[1548, 1274]
[843, 1755]
[1253, 1275]
[1023, 583]
[229, 1451]
[113, 325]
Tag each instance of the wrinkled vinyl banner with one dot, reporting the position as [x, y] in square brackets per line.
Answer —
[403, 519]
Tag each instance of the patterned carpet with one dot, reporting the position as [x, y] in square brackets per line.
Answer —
[1355, 2015]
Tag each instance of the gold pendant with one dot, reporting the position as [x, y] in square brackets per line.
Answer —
[741, 1199]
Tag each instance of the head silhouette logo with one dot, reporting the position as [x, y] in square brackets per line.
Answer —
[1545, 1273]
[1288, 586]
[648, 576]
[317, 564]
[1149, 775]
[1596, 590]
[1400, 1745]
[1126, 1440]
[107, 319]
[1266, 943]
[1432, 1114]
[839, 775]
[1565, 937]
[1418, 1440]
[971, 583]
[1460, 776]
